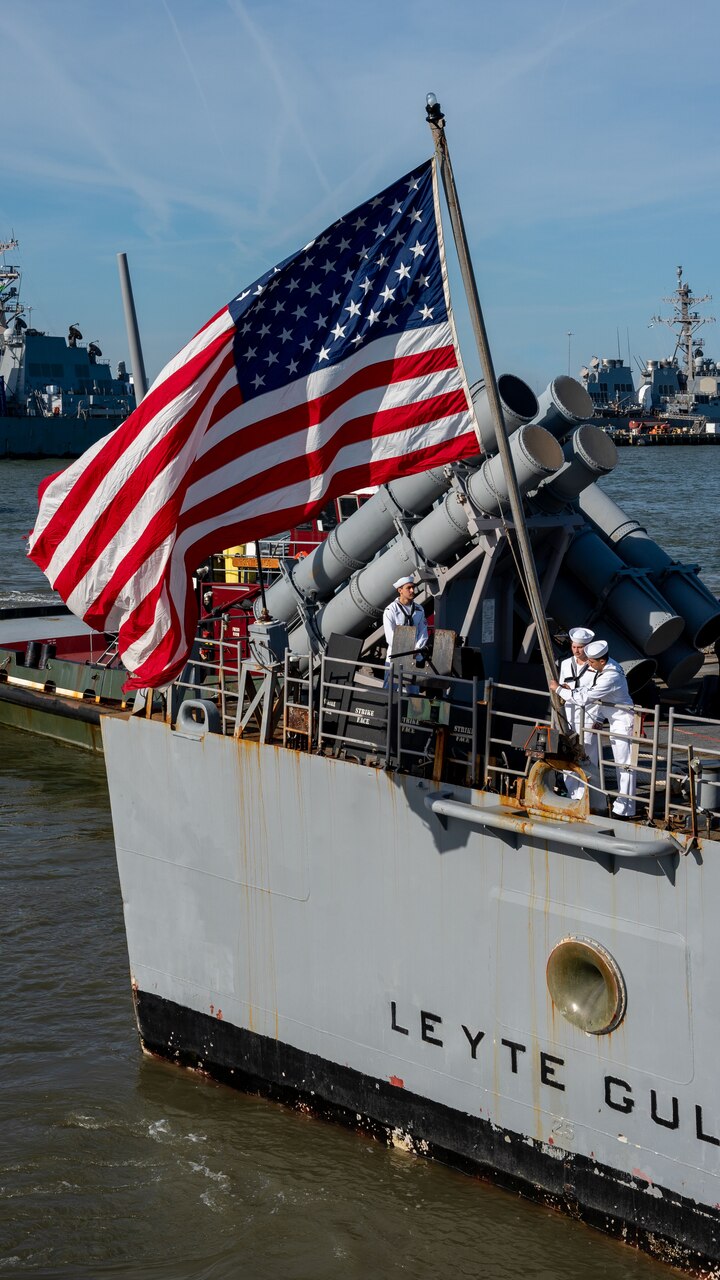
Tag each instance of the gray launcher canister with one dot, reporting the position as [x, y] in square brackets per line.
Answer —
[563, 404]
[589, 454]
[572, 607]
[634, 603]
[519, 405]
[355, 541]
[437, 537]
[681, 587]
[679, 663]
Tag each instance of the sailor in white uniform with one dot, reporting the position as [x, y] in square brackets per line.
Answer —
[607, 698]
[575, 672]
[404, 612]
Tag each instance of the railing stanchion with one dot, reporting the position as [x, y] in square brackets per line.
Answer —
[668, 767]
[654, 762]
[488, 728]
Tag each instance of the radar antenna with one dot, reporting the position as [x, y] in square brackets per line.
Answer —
[686, 322]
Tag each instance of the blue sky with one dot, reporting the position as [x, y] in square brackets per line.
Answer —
[209, 140]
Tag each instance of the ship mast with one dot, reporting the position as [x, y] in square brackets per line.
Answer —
[686, 322]
[436, 120]
[8, 289]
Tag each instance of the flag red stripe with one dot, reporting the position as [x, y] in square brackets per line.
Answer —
[345, 482]
[113, 516]
[119, 442]
[366, 427]
[310, 413]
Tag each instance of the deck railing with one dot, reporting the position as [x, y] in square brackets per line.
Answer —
[449, 729]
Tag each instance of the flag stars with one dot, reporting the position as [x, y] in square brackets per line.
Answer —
[382, 261]
[250, 354]
[398, 238]
[279, 306]
[423, 282]
[413, 184]
[343, 245]
[416, 215]
[307, 262]
[299, 312]
[380, 231]
[426, 312]
[271, 358]
[338, 331]
[365, 285]
[264, 331]
[390, 319]
[286, 335]
[388, 294]
[306, 344]
[321, 244]
[292, 367]
[260, 289]
[397, 208]
[418, 250]
[328, 266]
[314, 289]
[354, 309]
[359, 222]
[258, 381]
[321, 322]
[334, 299]
[293, 285]
[373, 317]
[349, 276]
[402, 272]
[323, 354]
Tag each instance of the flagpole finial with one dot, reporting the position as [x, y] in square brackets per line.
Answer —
[433, 111]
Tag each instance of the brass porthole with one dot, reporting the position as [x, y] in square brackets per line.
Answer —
[586, 985]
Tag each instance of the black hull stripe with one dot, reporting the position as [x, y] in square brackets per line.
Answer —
[671, 1227]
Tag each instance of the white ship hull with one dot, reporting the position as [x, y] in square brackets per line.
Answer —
[309, 927]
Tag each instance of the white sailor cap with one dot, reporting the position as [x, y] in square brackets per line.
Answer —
[597, 649]
[581, 635]
[401, 582]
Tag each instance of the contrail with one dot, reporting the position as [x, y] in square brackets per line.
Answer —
[239, 9]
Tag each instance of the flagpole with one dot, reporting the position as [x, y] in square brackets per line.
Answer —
[436, 120]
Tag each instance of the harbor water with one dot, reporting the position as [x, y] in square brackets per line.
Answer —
[119, 1165]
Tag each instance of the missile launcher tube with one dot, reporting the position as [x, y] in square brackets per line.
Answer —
[563, 404]
[679, 664]
[634, 604]
[682, 588]
[573, 607]
[437, 537]
[355, 541]
[589, 454]
[519, 406]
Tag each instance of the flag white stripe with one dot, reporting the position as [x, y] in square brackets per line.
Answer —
[296, 495]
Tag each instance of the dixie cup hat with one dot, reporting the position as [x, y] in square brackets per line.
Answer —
[581, 635]
[401, 582]
[597, 649]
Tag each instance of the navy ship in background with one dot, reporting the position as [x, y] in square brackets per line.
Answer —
[56, 397]
[682, 390]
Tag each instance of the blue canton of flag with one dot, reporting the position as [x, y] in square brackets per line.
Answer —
[375, 271]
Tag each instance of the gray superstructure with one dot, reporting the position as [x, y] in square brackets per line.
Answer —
[364, 892]
[57, 397]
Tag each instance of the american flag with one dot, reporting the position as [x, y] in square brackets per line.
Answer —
[336, 369]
